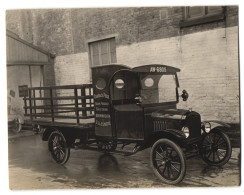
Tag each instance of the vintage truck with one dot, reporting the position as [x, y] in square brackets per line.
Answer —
[125, 106]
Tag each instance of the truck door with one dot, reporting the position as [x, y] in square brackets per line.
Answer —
[127, 114]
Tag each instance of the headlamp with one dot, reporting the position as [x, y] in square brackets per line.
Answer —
[207, 127]
[186, 131]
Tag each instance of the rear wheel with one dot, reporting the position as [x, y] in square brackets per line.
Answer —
[168, 161]
[58, 148]
[216, 148]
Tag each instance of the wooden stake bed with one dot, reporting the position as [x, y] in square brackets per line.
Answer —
[66, 106]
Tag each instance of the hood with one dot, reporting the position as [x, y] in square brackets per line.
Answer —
[179, 114]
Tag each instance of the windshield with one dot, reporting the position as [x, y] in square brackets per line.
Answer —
[158, 89]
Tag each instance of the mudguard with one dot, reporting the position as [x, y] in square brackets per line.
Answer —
[173, 134]
[218, 122]
[47, 133]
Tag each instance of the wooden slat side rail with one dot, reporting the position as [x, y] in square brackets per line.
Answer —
[62, 87]
[61, 108]
[60, 116]
[51, 104]
[64, 102]
[61, 98]
[83, 100]
[34, 95]
[76, 105]
[30, 104]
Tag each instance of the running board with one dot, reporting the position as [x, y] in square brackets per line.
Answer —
[85, 147]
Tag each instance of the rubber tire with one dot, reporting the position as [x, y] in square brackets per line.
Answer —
[17, 127]
[181, 156]
[67, 149]
[229, 148]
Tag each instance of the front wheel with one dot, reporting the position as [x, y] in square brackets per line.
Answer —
[58, 148]
[216, 148]
[168, 161]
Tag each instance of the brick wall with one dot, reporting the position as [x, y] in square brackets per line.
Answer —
[209, 68]
[208, 61]
[66, 31]
[207, 54]
[72, 69]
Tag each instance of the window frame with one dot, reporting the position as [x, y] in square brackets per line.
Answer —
[108, 47]
[205, 18]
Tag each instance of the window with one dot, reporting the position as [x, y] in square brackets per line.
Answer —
[100, 84]
[103, 52]
[149, 82]
[202, 14]
[201, 11]
[119, 83]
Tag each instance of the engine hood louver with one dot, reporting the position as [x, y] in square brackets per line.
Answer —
[179, 114]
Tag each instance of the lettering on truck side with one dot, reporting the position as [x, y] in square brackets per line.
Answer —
[158, 69]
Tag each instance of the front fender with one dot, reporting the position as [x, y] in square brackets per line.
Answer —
[217, 122]
[173, 134]
[47, 132]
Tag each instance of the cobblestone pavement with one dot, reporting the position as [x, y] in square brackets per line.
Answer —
[31, 167]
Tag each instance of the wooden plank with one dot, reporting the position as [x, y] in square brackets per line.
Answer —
[33, 63]
[34, 107]
[83, 100]
[25, 105]
[11, 36]
[30, 104]
[62, 98]
[62, 87]
[61, 108]
[87, 126]
[51, 104]
[76, 106]
[60, 116]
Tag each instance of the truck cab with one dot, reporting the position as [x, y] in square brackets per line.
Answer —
[135, 103]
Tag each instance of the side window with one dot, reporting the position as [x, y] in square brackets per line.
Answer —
[100, 84]
[119, 83]
[102, 52]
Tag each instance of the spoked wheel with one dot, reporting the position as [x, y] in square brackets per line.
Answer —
[168, 161]
[17, 126]
[216, 148]
[58, 148]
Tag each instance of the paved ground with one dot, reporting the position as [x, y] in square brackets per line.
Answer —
[30, 167]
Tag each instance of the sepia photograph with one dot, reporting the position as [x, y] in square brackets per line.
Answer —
[123, 97]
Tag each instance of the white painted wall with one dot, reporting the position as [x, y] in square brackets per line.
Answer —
[208, 61]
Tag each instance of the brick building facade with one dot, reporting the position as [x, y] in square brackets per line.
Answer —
[201, 41]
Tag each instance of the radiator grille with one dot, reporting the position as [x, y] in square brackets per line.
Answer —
[159, 125]
[193, 121]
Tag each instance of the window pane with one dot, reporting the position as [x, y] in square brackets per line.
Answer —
[113, 57]
[112, 45]
[215, 9]
[105, 59]
[95, 49]
[95, 60]
[103, 52]
[104, 47]
[196, 11]
[167, 88]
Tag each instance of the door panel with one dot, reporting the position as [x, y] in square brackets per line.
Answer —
[129, 121]
[128, 116]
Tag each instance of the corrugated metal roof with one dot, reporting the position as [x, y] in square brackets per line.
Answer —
[20, 52]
